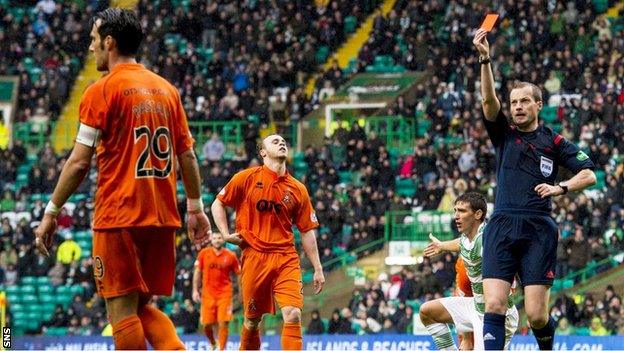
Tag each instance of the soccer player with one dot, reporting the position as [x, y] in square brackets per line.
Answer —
[268, 201]
[135, 123]
[521, 237]
[213, 270]
[465, 312]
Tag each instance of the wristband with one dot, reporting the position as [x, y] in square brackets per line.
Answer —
[484, 60]
[564, 188]
[194, 205]
[51, 209]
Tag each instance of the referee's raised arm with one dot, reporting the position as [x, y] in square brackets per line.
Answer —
[491, 105]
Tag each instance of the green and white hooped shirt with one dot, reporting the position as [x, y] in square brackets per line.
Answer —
[472, 254]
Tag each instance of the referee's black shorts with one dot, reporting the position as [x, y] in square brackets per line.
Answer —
[523, 243]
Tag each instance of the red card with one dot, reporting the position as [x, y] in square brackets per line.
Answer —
[489, 22]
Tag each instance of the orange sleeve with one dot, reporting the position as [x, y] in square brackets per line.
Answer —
[183, 138]
[306, 217]
[233, 192]
[94, 107]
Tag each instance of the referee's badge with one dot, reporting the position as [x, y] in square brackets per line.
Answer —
[546, 166]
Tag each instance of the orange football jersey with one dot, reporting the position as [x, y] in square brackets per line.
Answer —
[216, 269]
[142, 128]
[267, 206]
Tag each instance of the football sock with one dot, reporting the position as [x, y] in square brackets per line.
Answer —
[223, 336]
[442, 337]
[159, 330]
[546, 335]
[494, 331]
[250, 339]
[291, 336]
[128, 334]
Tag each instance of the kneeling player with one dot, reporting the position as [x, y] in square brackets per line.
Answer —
[465, 312]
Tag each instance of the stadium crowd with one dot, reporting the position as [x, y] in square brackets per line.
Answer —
[251, 54]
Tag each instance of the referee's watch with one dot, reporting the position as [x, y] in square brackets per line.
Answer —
[564, 188]
[484, 60]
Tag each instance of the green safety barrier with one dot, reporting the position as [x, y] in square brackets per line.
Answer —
[231, 132]
[401, 228]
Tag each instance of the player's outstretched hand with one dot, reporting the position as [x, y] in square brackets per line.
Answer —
[433, 248]
[234, 238]
[319, 281]
[544, 190]
[198, 229]
[481, 43]
[45, 233]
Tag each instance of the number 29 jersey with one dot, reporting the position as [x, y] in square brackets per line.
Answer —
[141, 127]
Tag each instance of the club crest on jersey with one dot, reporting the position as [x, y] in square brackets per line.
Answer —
[546, 166]
[286, 198]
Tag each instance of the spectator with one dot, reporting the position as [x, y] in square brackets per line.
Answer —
[596, 328]
[564, 327]
[57, 274]
[69, 251]
[339, 324]
[10, 275]
[214, 148]
[315, 327]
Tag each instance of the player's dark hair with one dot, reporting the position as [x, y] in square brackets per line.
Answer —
[122, 25]
[475, 200]
[536, 92]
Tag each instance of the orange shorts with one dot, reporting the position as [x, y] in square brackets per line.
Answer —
[269, 276]
[134, 259]
[216, 309]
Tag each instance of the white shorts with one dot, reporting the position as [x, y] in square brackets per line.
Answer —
[467, 319]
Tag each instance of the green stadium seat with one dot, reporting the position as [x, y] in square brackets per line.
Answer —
[27, 289]
[83, 235]
[63, 289]
[208, 198]
[17, 307]
[63, 299]
[415, 304]
[567, 283]
[350, 24]
[85, 244]
[43, 281]
[307, 277]
[21, 323]
[583, 331]
[29, 299]
[85, 254]
[548, 114]
[77, 290]
[321, 54]
[345, 176]
[47, 311]
[56, 331]
[45, 298]
[34, 310]
[28, 280]
[45, 289]
[12, 290]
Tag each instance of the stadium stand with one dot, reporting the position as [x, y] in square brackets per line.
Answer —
[251, 54]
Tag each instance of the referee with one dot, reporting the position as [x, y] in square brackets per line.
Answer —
[521, 237]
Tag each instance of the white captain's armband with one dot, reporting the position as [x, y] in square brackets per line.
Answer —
[88, 136]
